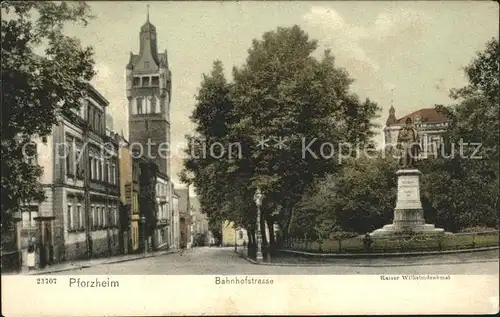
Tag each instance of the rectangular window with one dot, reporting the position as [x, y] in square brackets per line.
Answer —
[105, 212]
[79, 163]
[79, 217]
[107, 172]
[103, 169]
[70, 217]
[98, 216]
[82, 110]
[152, 100]
[139, 106]
[155, 81]
[99, 123]
[32, 154]
[28, 217]
[69, 156]
[103, 216]
[94, 120]
[146, 66]
[98, 168]
[92, 217]
[113, 171]
[92, 167]
[115, 216]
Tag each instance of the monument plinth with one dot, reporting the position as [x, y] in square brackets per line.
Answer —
[408, 213]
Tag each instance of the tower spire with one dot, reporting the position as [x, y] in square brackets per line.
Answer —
[148, 13]
[392, 112]
[392, 97]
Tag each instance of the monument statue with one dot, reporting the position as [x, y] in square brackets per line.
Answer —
[408, 212]
[408, 144]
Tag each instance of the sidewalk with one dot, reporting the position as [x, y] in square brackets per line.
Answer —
[297, 259]
[75, 265]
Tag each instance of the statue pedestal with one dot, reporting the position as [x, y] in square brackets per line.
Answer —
[408, 214]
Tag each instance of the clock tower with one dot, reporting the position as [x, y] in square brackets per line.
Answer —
[149, 88]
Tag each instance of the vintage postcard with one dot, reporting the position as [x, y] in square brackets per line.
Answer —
[172, 158]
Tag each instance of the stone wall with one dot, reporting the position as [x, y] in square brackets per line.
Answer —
[78, 251]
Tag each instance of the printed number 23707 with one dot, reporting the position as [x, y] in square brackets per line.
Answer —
[46, 281]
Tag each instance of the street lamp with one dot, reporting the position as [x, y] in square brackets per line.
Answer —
[143, 225]
[235, 241]
[258, 201]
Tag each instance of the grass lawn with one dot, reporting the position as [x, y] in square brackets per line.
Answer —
[449, 242]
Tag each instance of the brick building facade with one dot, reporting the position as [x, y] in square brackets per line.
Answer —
[80, 218]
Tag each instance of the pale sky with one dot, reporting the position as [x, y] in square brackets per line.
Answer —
[419, 48]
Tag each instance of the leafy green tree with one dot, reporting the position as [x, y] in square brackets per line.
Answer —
[284, 92]
[281, 92]
[462, 186]
[358, 198]
[36, 88]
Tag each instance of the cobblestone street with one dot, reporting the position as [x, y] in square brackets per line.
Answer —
[225, 261]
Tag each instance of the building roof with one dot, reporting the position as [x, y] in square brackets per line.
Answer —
[425, 115]
[160, 59]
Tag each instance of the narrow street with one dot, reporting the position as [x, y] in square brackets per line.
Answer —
[223, 261]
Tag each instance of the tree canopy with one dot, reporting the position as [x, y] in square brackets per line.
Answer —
[285, 113]
[36, 87]
[459, 188]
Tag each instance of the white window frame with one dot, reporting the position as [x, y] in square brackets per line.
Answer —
[108, 164]
[98, 216]
[104, 215]
[26, 221]
[103, 168]
[92, 212]
[81, 216]
[92, 168]
[115, 213]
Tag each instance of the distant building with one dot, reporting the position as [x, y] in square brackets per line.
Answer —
[430, 123]
[175, 218]
[184, 217]
[163, 199]
[130, 171]
[232, 235]
[199, 224]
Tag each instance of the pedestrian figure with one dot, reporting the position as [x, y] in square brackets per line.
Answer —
[30, 258]
[367, 242]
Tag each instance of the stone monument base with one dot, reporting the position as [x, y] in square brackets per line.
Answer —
[408, 213]
[392, 230]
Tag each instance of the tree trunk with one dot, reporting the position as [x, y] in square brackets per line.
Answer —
[263, 228]
[272, 240]
[287, 221]
[252, 245]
